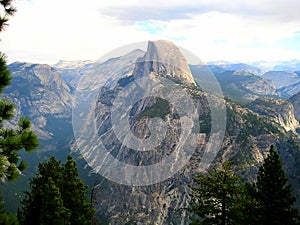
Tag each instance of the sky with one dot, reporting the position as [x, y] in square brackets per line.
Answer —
[45, 31]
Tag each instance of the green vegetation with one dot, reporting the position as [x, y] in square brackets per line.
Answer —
[252, 125]
[11, 141]
[217, 197]
[8, 10]
[220, 196]
[125, 81]
[7, 218]
[273, 194]
[160, 109]
[57, 196]
[232, 85]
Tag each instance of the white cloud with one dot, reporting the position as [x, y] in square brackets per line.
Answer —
[46, 31]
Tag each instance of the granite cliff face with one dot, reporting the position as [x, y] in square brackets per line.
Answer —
[163, 58]
[39, 92]
[279, 110]
[295, 100]
[247, 140]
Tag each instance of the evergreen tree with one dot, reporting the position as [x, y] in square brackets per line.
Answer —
[53, 210]
[248, 206]
[273, 194]
[216, 197]
[8, 10]
[75, 194]
[11, 140]
[57, 196]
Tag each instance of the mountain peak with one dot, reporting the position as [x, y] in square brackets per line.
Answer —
[165, 59]
[65, 64]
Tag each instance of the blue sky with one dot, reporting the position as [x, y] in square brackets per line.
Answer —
[46, 31]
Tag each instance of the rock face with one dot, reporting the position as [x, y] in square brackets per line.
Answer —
[295, 100]
[247, 141]
[279, 110]
[281, 78]
[39, 93]
[163, 58]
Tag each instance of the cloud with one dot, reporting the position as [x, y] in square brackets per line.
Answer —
[49, 30]
[277, 10]
[145, 13]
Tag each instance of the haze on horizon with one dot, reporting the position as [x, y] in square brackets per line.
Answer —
[45, 31]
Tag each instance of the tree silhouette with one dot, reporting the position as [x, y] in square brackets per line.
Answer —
[57, 196]
[216, 197]
[273, 194]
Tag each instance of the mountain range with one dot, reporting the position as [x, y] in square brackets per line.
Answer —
[262, 108]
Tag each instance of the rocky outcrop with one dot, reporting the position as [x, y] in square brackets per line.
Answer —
[295, 100]
[39, 92]
[279, 110]
[163, 58]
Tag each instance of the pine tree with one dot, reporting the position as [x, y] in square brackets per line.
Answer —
[11, 140]
[8, 10]
[57, 196]
[248, 205]
[75, 194]
[53, 210]
[216, 197]
[273, 194]
[32, 203]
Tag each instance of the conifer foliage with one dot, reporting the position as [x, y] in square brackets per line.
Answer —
[57, 196]
[8, 10]
[11, 140]
[217, 196]
[221, 197]
[273, 194]
[7, 218]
